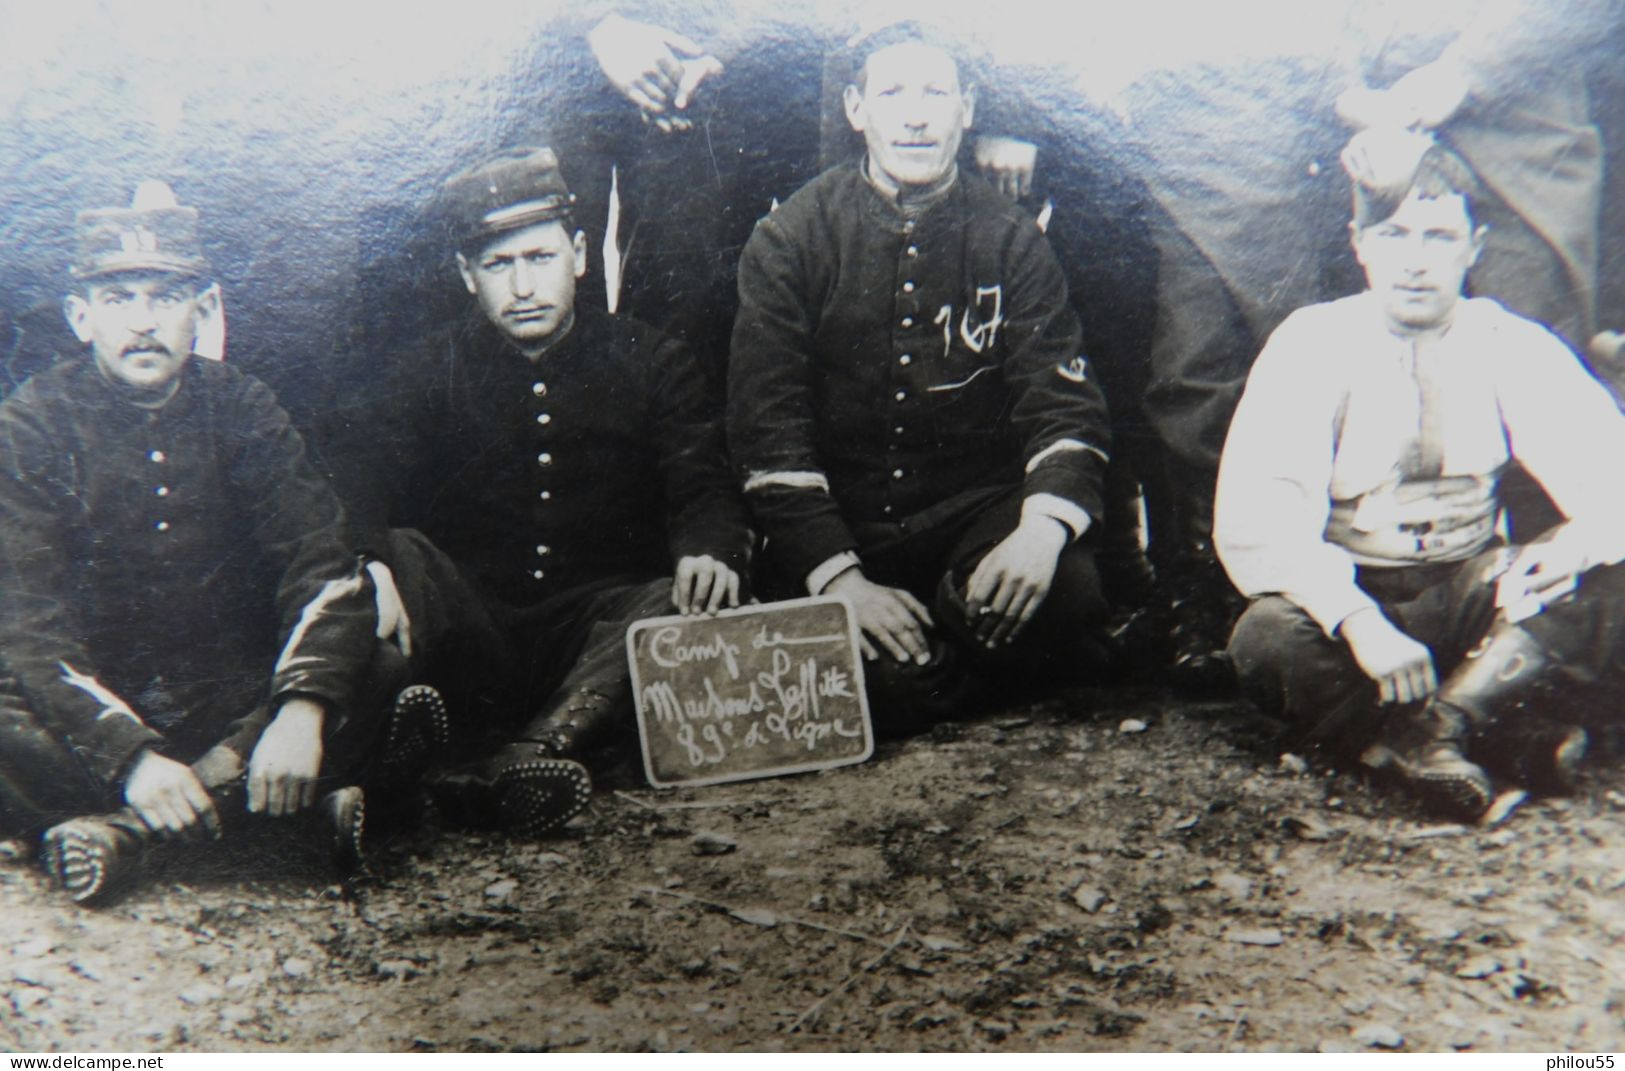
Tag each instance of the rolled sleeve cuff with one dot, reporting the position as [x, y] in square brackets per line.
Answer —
[1070, 471]
[115, 749]
[1331, 607]
[820, 578]
[1074, 516]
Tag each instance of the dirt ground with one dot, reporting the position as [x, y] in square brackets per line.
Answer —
[1103, 870]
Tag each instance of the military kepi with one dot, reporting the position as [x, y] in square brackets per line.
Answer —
[155, 234]
[513, 189]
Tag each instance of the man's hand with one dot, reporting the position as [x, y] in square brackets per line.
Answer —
[1431, 93]
[703, 585]
[282, 771]
[890, 617]
[1385, 157]
[1541, 574]
[1011, 582]
[1402, 668]
[168, 796]
[1424, 99]
[393, 623]
[1007, 163]
[656, 69]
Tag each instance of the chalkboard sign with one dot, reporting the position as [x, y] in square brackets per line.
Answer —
[755, 692]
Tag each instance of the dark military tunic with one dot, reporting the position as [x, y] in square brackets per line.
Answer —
[602, 459]
[154, 563]
[885, 362]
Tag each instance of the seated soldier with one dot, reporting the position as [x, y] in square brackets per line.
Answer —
[178, 597]
[552, 467]
[1359, 508]
[908, 398]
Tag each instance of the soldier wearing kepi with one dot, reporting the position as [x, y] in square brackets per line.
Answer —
[182, 614]
[549, 468]
[1359, 507]
[918, 427]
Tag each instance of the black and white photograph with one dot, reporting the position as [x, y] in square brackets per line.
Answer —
[752, 526]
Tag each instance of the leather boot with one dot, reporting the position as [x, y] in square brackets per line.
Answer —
[584, 723]
[1126, 574]
[522, 789]
[1423, 745]
[92, 857]
[342, 818]
[1501, 688]
[1201, 604]
[415, 731]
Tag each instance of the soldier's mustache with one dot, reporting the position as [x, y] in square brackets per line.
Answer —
[146, 345]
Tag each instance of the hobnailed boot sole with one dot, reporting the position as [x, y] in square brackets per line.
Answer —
[344, 812]
[1447, 784]
[1566, 759]
[540, 795]
[417, 729]
[89, 859]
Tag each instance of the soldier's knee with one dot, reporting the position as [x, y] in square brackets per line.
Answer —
[1269, 637]
[906, 698]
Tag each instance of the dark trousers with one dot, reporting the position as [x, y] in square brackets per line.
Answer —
[932, 555]
[43, 781]
[505, 670]
[1298, 675]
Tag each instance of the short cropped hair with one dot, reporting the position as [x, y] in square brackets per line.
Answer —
[1440, 172]
[909, 32]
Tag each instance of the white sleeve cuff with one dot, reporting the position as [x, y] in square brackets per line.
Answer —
[1071, 514]
[1064, 446]
[819, 578]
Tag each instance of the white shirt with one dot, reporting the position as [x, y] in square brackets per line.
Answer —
[1331, 411]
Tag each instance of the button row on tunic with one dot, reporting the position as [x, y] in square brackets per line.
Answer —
[539, 389]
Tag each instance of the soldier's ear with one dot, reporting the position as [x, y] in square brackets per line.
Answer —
[852, 97]
[579, 244]
[969, 97]
[467, 273]
[77, 310]
[208, 301]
